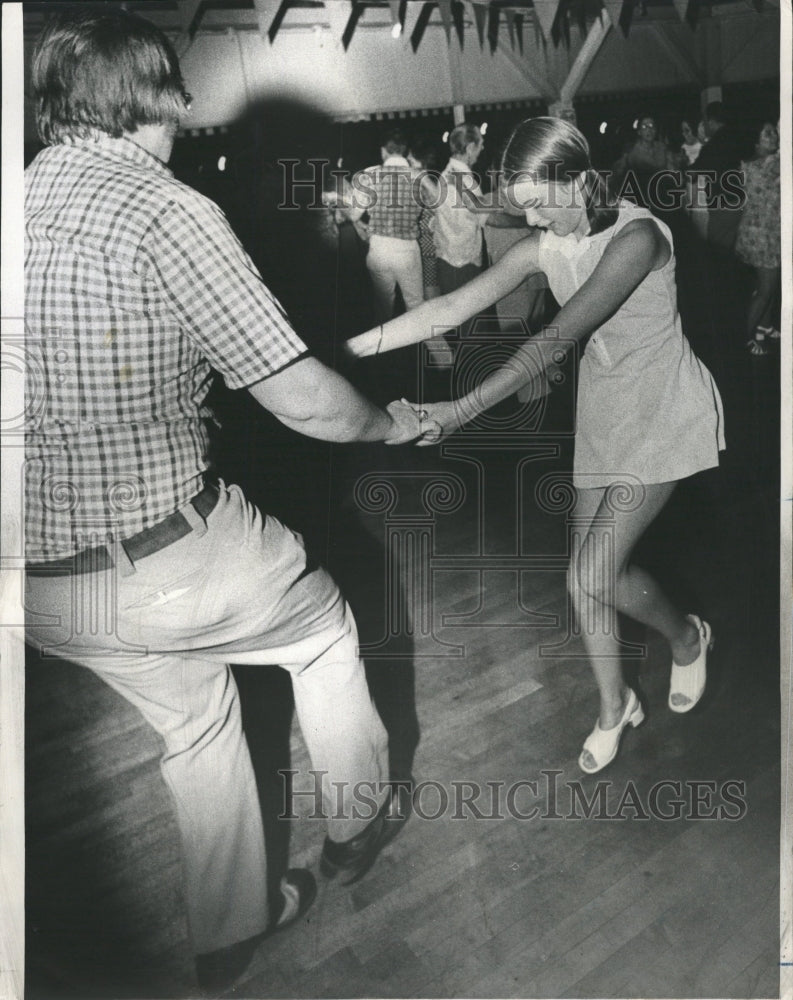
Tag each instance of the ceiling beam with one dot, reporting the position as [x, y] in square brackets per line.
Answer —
[583, 60]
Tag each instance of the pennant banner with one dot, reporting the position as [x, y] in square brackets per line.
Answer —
[519, 31]
[445, 9]
[621, 13]
[421, 24]
[480, 18]
[411, 14]
[545, 12]
[692, 14]
[458, 16]
[681, 6]
[614, 8]
[492, 27]
[270, 14]
[338, 14]
[510, 15]
[627, 14]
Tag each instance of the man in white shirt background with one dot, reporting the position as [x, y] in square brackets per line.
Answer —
[460, 216]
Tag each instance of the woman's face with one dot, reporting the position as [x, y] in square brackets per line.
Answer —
[557, 206]
[688, 133]
[768, 140]
[647, 130]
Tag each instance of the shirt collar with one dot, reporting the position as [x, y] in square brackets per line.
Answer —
[395, 161]
[124, 147]
[458, 166]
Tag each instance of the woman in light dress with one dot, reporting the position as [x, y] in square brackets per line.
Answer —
[648, 412]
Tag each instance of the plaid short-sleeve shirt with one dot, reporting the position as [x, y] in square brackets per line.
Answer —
[391, 193]
[135, 289]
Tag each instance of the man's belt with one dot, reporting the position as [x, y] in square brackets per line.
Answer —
[144, 543]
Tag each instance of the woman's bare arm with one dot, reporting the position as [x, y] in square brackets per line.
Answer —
[448, 311]
[630, 256]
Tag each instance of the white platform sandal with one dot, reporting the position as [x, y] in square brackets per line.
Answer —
[602, 744]
[687, 684]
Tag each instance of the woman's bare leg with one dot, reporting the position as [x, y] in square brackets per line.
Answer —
[604, 581]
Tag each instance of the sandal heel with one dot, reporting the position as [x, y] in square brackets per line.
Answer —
[602, 744]
[637, 718]
[687, 683]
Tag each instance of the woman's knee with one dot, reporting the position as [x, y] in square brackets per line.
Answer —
[592, 574]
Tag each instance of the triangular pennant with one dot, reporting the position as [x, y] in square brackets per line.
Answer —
[560, 31]
[627, 16]
[270, 14]
[519, 31]
[191, 16]
[421, 24]
[480, 17]
[692, 14]
[510, 15]
[539, 38]
[352, 24]
[445, 10]
[681, 6]
[545, 12]
[458, 16]
[492, 27]
[579, 8]
[613, 8]
[338, 14]
[410, 18]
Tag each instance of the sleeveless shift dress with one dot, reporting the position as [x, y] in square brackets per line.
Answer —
[647, 408]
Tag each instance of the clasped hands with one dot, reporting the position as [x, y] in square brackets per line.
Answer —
[428, 422]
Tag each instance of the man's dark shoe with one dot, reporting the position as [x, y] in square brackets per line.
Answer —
[217, 971]
[355, 857]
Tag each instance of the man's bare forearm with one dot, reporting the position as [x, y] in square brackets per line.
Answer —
[316, 401]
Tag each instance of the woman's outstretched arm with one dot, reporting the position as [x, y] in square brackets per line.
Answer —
[448, 311]
[630, 256]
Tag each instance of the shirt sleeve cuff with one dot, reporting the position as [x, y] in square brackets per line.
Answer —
[247, 383]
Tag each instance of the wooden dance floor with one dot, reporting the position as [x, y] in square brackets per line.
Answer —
[459, 590]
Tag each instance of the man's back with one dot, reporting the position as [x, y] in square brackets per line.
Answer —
[395, 203]
[128, 300]
[458, 230]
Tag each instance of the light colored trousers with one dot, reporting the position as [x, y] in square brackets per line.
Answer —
[393, 262]
[238, 593]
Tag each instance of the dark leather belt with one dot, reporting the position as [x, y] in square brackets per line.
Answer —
[145, 543]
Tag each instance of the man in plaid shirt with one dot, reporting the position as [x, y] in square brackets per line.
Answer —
[156, 574]
[391, 194]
